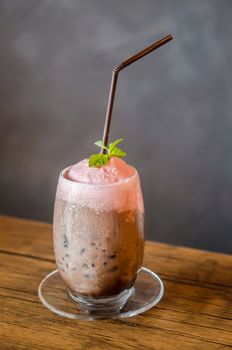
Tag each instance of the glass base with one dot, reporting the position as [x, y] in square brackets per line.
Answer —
[106, 306]
[147, 291]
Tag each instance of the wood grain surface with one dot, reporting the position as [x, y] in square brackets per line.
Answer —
[195, 313]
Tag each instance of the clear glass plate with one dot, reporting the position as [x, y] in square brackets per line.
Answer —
[147, 291]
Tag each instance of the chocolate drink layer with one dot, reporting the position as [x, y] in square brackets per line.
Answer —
[100, 254]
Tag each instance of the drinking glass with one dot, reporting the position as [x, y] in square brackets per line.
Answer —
[98, 234]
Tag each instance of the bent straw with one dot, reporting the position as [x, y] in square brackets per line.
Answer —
[113, 85]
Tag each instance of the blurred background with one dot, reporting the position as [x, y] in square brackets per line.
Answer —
[173, 108]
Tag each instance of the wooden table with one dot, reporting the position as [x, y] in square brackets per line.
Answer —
[195, 313]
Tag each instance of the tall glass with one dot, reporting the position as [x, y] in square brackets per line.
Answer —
[99, 240]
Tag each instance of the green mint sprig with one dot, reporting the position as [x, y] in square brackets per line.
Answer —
[97, 160]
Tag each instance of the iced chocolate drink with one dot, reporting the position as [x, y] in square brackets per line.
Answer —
[98, 231]
[98, 228]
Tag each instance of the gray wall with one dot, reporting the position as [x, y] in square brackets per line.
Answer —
[173, 108]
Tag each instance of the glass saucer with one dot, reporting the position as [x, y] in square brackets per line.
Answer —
[147, 291]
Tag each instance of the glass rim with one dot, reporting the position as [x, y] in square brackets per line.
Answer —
[109, 184]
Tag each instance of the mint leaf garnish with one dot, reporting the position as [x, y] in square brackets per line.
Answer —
[97, 160]
[101, 145]
[114, 144]
[117, 152]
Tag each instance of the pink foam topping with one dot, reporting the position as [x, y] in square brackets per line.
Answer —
[125, 196]
[115, 171]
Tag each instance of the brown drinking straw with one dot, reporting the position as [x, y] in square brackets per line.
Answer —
[113, 85]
